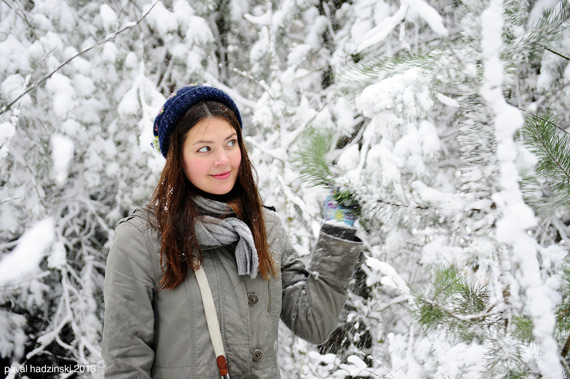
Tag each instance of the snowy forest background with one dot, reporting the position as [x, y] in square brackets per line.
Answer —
[445, 119]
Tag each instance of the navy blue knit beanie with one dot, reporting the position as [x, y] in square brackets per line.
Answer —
[177, 105]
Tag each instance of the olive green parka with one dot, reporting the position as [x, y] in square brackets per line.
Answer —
[157, 333]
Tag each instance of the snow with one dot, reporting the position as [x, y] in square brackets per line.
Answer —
[108, 17]
[260, 50]
[26, 257]
[526, 161]
[539, 7]
[129, 105]
[429, 139]
[298, 54]
[62, 154]
[199, 32]
[84, 85]
[81, 65]
[131, 60]
[390, 164]
[447, 100]
[406, 94]
[517, 216]
[12, 86]
[319, 25]
[386, 275]
[438, 253]
[12, 336]
[110, 52]
[355, 366]
[349, 158]
[343, 112]
[429, 14]
[381, 31]
[7, 131]
[63, 93]
[183, 10]
[42, 22]
[51, 41]
[551, 67]
[433, 157]
[162, 19]
[553, 257]
[458, 360]
[13, 55]
[449, 203]
[263, 20]
[57, 257]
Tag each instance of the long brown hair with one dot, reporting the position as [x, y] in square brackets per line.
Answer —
[176, 212]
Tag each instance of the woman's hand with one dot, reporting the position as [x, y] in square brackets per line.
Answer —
[334, 211]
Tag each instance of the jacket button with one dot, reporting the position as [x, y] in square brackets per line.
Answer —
[257, 355]
[252, 299]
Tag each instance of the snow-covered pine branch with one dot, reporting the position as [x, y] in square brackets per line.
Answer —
[517, 217]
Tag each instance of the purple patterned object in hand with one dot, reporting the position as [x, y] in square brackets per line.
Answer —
[332, 210]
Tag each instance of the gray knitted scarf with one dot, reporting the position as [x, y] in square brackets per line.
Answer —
[214, 231]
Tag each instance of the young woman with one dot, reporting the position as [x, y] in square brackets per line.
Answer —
[206, 216]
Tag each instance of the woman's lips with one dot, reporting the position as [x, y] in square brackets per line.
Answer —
[222, 176]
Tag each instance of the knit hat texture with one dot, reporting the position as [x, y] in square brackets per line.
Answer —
[176, 106]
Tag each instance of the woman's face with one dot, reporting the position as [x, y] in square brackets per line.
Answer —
[211, 155]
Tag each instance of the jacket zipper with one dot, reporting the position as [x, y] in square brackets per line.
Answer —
[269, 296]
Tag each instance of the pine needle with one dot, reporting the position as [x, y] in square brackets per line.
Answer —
[310, 160]
[359, 74]
[456, 304]
[551, 145]
[545, 29]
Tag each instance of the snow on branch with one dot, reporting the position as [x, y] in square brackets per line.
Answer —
[27, 255]
[517, 216]
[383, 29]
[429, 14]
[108, 38]
[386, 26]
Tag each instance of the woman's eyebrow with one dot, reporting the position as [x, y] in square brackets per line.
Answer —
[234, 134]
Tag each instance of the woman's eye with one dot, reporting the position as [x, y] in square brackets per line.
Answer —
[204, 149]
[232, 143]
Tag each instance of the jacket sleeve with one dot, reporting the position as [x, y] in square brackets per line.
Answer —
[313, 299]
[130, 281]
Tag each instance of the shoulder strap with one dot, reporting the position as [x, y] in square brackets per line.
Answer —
[212, 321]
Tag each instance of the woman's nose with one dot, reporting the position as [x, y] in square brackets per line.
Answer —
[221, 158]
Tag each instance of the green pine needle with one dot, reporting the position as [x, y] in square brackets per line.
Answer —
[523, 329]
[551, 145]
[310, 160]
[563, 311]
[347, 199]
[360, 74]
[546, 28]
[453, 298]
